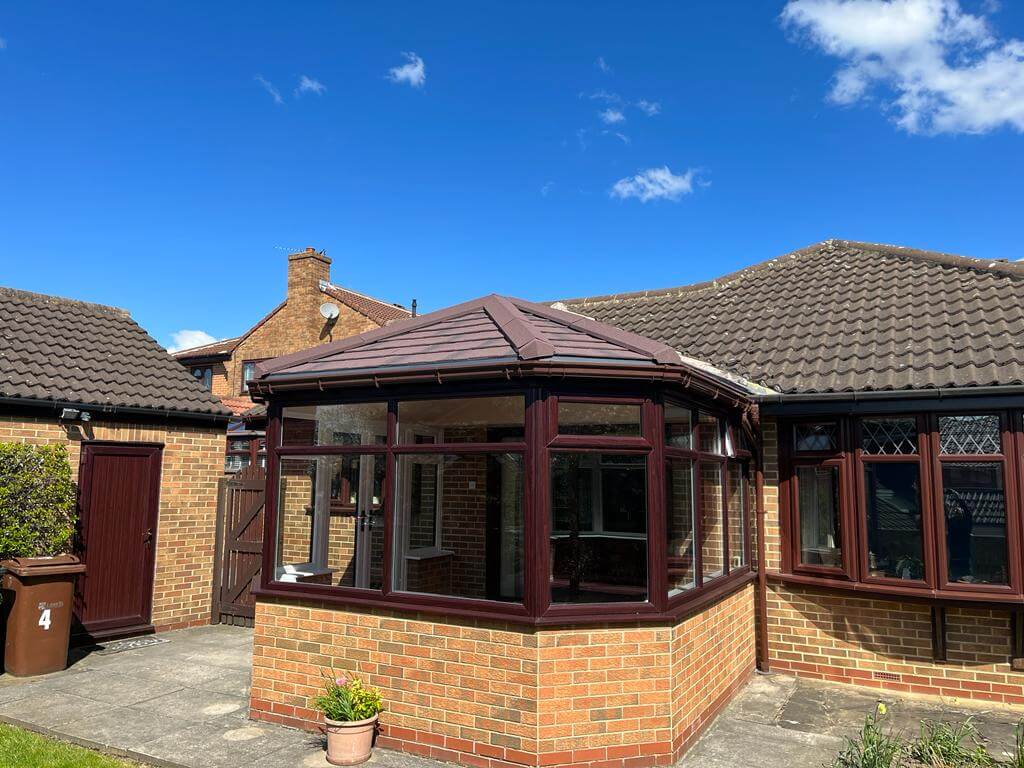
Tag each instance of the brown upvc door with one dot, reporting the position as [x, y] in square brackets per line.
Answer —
[119, 487]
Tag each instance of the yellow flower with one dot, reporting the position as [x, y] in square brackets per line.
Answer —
[882, 708]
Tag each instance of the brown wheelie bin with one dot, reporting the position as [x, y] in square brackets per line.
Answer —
[37, 597]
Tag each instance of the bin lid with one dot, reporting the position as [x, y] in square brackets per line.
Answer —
[43, 566]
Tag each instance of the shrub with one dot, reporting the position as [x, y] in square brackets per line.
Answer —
[942, 744]
[346, 699]
[873, 747]
[37, 500]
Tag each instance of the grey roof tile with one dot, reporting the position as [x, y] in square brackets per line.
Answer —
[842, 316]
[60, 350]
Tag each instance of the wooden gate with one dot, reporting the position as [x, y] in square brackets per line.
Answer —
[239, 546]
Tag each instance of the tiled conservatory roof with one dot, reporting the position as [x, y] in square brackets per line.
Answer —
[493, 330]
[842, 316]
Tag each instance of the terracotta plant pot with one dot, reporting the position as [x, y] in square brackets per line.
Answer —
[349, 743]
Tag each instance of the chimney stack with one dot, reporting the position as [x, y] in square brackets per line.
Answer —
[306, 270]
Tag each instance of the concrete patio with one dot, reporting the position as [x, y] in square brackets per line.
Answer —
[182, 703]
[782, 722]
[178, 704]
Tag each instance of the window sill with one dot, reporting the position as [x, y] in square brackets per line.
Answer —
[868, 590]
[428, 553]
[588, 615]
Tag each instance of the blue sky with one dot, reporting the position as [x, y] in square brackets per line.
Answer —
[537, 149]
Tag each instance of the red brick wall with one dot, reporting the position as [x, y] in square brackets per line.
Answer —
[193, 461]
[492, 694]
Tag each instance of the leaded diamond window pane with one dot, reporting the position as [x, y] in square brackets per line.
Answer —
[816, 437]
[969, 434]
[888, 437]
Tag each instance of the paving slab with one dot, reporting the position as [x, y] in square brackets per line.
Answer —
[184, 704]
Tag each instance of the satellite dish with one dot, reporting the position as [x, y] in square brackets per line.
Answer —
[329, 310]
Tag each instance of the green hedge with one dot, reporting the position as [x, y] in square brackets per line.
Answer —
[37, 500]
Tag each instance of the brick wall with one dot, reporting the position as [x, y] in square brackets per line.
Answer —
[192, 463]
[829, 635]
[298, 324]
[488, 694]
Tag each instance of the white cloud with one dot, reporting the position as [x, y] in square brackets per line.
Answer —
[941, 69]
[612, 116]
[269, 88]
[3, 43]
[413, 72]
[618, 135]
[654, 184]
[309, 85]
[605, 96]
[546, 188]
[186, 339]
[602, 64]
[649, 108]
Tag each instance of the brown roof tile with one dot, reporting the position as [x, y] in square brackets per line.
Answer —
[842, 316]
[490, 330]
[221, 348]
[59, 350]
[379, 311]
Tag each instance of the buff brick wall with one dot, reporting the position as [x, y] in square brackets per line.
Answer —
[192, 463]
[488, 694]
[828, 635]
[298, 324]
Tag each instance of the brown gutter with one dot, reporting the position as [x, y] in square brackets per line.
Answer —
[689, 378]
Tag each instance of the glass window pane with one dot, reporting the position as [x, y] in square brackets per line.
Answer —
[679, 494]
[975, 507]
[604, 419]
[893, 499]
[678, 426]
[248, 372]
[712, 535]
[816, 437]
[598, 528]
[818, 514]
[709, 433]
[342, 424]
[734, 517]
[888, 437]
[236, 461]
[459, 526]
[331, 520]
[462, 420]
[969, 434]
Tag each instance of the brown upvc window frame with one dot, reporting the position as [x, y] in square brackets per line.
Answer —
[1005, 460]
[541, 440]
[698, 458]
[243, 388]
[789, 492]
[935, 585]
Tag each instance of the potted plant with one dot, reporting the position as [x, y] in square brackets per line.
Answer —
[350, 718]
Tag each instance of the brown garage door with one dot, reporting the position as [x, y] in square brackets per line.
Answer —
[119, 487]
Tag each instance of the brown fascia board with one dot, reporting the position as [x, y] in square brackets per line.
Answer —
[505, 370]
[1011, 269]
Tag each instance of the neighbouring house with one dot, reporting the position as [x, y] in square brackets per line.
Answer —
[145, 442]
[225, 367]
[564, 535]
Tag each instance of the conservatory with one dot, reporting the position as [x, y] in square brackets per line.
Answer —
[533, 531]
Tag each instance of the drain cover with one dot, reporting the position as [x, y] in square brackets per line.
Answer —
[129, 644]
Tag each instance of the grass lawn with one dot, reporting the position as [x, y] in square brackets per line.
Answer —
[22, 749]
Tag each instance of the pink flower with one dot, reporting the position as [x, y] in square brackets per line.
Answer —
[341, 681]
